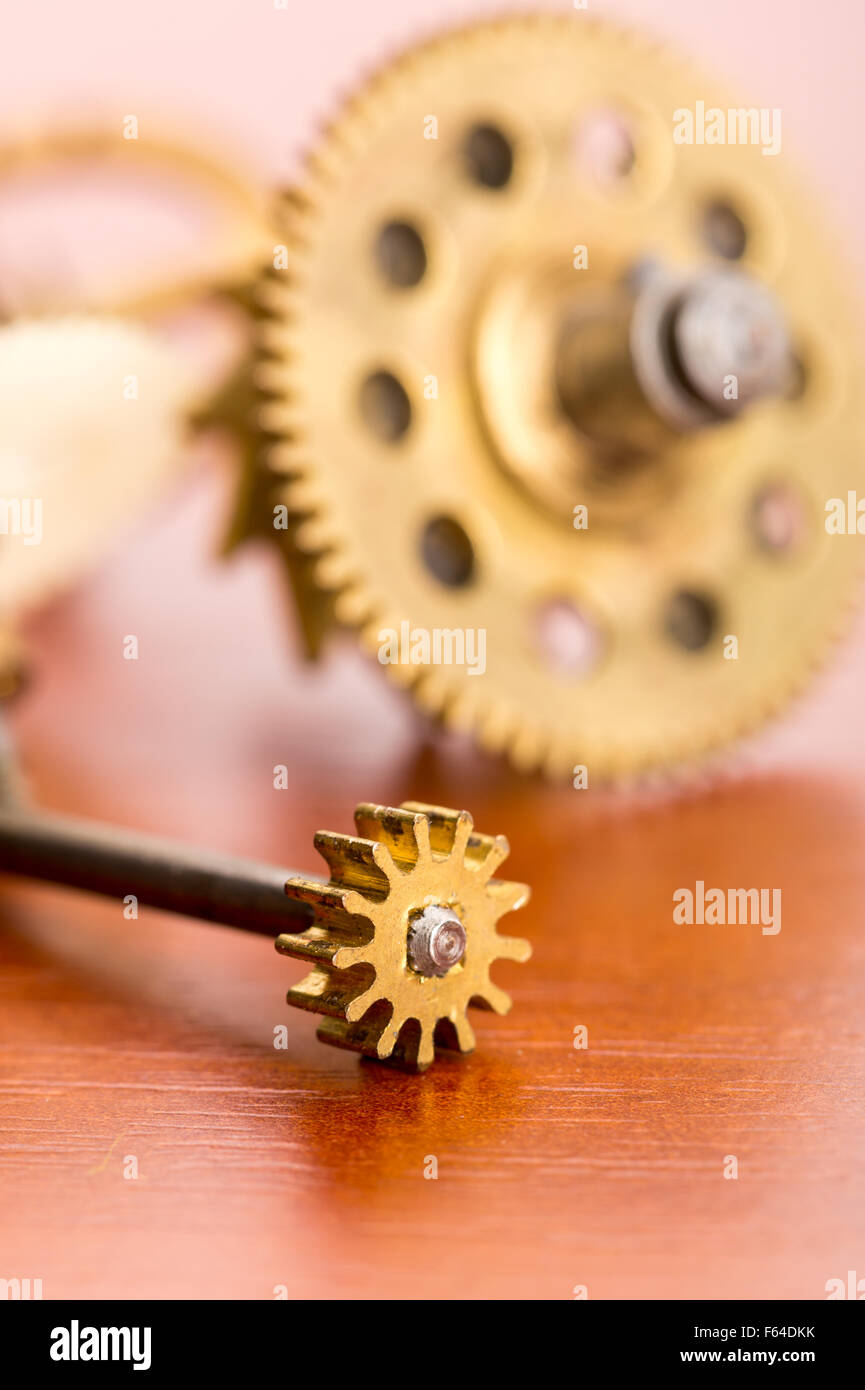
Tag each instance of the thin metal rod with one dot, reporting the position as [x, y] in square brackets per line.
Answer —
[159, 873]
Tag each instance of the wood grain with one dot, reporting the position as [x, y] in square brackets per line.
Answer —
[303, 1168]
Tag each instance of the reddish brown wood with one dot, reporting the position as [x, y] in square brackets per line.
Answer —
[304, 1168]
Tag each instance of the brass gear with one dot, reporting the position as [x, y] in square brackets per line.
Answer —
[229, 253]
[11, 661]
[425, 461]
[403, 936]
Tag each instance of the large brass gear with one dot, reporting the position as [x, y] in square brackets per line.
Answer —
[438, 268]
[404, 934]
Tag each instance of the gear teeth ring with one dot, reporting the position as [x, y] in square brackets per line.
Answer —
[377, 999]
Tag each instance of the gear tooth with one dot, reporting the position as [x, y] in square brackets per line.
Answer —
[426, 1048]
[301, 496]
[276, 417]
[512, 948]
[335, 1032]
[359, 1005]
[274, 331]
[345, 957]
[314, 944]
[387, 1042]
[362, 1036]
[405, 1043]
[282, 463]
[446, 827]
[325, 900]
[334, 911]
[490, 997]
[507, 896]
[325, 991]
[294, 248]
[433, 687]
[356, 904]
[294, 205]
[465, 1034]
[309, 992]
[455, 1033]
[487, 852]
[356, 863]
[269, 375]
[405, 833]
[496, 727]
[464, 710]
[333, 570]
[384, 861]
[400, 672]
[313, 535]
[353, 606]
[462, 836]
[422, 836]
[270, 295]
[525, 749]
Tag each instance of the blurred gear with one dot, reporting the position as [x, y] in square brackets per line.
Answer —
[91, 430]
[10, 780]
[404, 934]
[102, 377]
[536, 369]
[224, 206]
[11, 664]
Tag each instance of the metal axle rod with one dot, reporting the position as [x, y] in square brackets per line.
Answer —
[159, 872]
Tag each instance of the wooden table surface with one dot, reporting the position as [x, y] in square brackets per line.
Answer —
[303, 1170]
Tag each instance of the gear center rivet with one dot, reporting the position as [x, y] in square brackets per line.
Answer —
[436, 941]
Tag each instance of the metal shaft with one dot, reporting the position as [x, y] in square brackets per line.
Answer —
[159, 873]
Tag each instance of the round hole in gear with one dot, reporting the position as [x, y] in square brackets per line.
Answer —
[568, 637]
[385, 406]
[604, 147]
[724, 231]
[400, 255]
[447, 552]
[691, 619]
[489, 156]
[797, 385]
[778, 519]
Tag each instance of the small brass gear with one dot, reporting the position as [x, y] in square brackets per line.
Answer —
[403, 936]
[433, 431]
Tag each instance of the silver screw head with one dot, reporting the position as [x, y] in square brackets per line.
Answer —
[729, 325]
[436, 941]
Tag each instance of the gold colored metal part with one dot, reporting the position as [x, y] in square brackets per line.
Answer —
[11, 664]
[96, 401]
[228, 256]
[404, 860]
[92, 427]
[466, 313]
